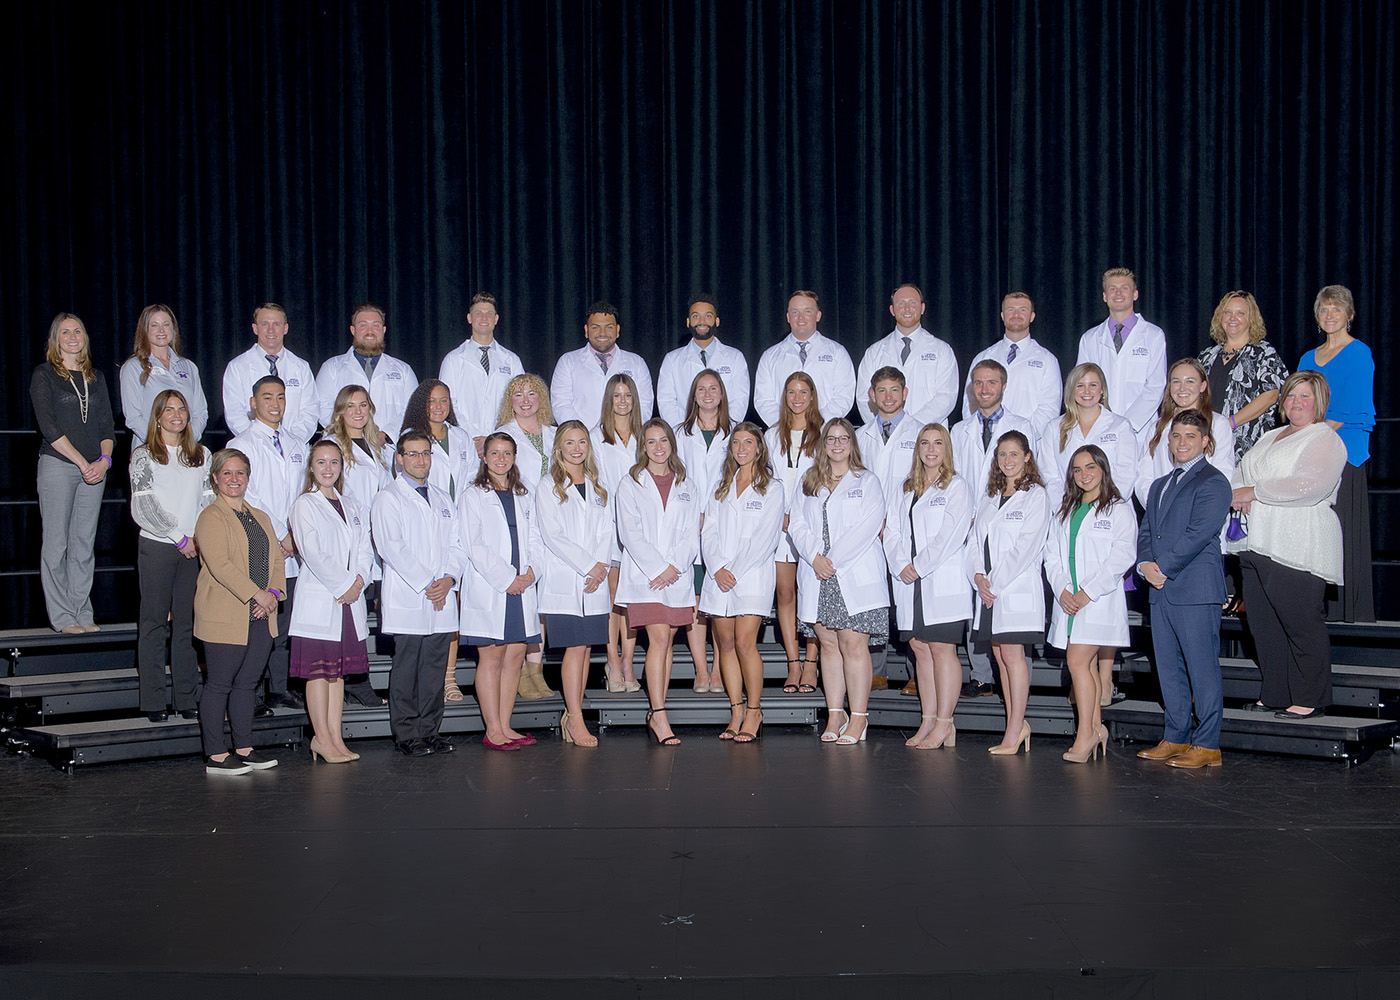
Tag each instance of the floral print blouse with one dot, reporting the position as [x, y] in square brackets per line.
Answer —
[1256, 370]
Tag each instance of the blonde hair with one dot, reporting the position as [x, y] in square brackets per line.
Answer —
[674, 462]
[820, 473]
[337, 429]
[918, 480]
[1071, 416]
[1322, 392]
[762, 463]
[507, 412]
[557, 471]
[191, 451]
[308, 482]
[221, 458]
[1257, 330]
[54, 355]
[1169, 409]
[1339, 295]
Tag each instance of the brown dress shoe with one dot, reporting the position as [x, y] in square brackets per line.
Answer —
[1196, 757]
[1164, 751]
[879, 683]
[912, 688]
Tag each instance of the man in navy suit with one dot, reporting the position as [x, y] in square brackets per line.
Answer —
[1179, 555]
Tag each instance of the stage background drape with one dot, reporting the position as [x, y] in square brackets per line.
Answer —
[215, 155]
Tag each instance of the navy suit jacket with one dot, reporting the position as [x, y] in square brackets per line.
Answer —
[1183, 537]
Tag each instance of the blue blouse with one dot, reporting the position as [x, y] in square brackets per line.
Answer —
[1351, 377]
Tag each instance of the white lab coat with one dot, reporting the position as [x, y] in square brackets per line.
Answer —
[578, 533]
[1034, 385]
[303, 410]
[741, 534]
[137, 399]
[476, 396]
[938, 523]
[1109, 431]
[419, 542]
[1137, 375]
[703, 463]
[489, 569]
[931, 375]
[1104, 549]
[364, 480]
[1152, 467]
[389, 389]
[527, 456]
[614, 460]
[576, 391]
[678, 371]
[274, 481]
[854, 515]
[457, 465]
[974, 462]
[791, 478]
[890, 460]
[654, 537]
[333, 553]
[1016, 535]
[828, 363]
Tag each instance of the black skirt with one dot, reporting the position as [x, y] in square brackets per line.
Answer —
[1354, 600]
[952, 632]
[568, 631]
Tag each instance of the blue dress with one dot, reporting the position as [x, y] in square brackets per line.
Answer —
[515, 608]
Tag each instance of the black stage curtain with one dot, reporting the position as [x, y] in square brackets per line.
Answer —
[216, 155]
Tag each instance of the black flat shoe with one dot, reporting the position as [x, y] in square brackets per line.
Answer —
[263, 712]
[1255, 706]
[255, 760]
[232, 764]
[1295, 716]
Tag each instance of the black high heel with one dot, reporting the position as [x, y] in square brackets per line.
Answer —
[671, 741]
[731, 733]
[753, 737]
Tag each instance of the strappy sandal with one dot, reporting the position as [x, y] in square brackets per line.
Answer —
[731, 733]
[743, 737]
[791, 687]
[670, 741]
[803, 687]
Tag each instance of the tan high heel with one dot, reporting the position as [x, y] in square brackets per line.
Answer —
[569, 737]
[317, 751]
[910, 742]
[1083, 756]
[949, 741]
[1015, 748]
[1103, 739]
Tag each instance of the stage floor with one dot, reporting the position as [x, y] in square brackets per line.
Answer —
[786, 866]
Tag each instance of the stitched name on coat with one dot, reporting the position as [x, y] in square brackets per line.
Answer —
[1015, 515]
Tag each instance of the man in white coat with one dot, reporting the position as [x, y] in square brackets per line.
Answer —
[1034, 385]
[576, 391]
[478, 371]
[1132, 353]
[703, 350]
[270, 356]
[929, 365]
[390, 381]
[974, 448]
[417, 532]
[805, 349]
[277, 468]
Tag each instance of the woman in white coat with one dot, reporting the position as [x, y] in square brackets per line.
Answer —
[742, 527]
[841, 579]
[658, 522]
[926, 523]
[328, 626]
[615, 442]
[1092, 543]
[1086, 420]
[500, 610]
[1002, 558]
[455, 460]
[1188, 388]
[702, 440]
[793, 443]
[576, 522]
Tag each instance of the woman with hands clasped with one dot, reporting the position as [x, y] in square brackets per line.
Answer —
[615, 450]
[329, 626]
[926, 524]
[576, 525]
[841, 589]
[1002, 559]
[743, 525]
[1092, 543]
[500, 610]
[658, 522]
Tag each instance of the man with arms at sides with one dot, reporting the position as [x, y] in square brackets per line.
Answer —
[974, 448]
[929, 365]
[703, 350]
[1179, 555]
[390, 381]
[418, 535]
[1132, 353]
[805, 349]
[1034, 385]
[477, 372]
[576, 392]
[269, 356]
[277, 469]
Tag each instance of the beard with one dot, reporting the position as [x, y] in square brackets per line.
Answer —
[369, 350]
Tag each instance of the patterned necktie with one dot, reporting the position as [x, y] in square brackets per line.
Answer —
[277, 442]
[704, 361]
[885, 426]
[602, 362]
[986, 433]
[272, 365]
[1011, 354]
[485, 361]
[1118, 336]
[802, 352]
[904, 353]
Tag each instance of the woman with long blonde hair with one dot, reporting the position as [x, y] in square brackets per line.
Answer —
[1086, 420]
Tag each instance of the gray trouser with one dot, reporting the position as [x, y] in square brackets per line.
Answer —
[980, 664]
[167, 588]
[69, 509]
[416, 684]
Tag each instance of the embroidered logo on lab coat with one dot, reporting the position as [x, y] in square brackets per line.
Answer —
[753, 505]
[1015, 515]
[938, 501]
[1035, 364]
[293, 383]
[1141, 351]
[1110, 438]
[928, 357]
[599, 501]
[857, 492]
[394, 376]
[826, 358]
[504, 370]
[725, 370]
[1103, 524]
[446, 512]
[181, 375]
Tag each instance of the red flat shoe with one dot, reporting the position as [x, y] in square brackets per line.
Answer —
[507, 745]
[525, 741]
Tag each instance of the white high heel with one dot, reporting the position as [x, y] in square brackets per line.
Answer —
[847, 741]
[831, 737]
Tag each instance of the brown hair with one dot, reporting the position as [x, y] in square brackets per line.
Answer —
[141, 344]
[1030, 475]
[811, 432]
[483, 474]
[607, 420]
[1322, 392]
[1108, 492]
[556, 462]
[674, 462]
[1169, 409]
[820, 473]
[692, 409]
[308, 483]
[762, 463]
[918, 480]
[191, 451]
[54, 356]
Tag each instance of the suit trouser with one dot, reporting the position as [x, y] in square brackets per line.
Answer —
[279, 663]
[416, 683]
[233, 676]
[1285, 616]
[1186, 646]
[68, 512]
[979, 664]
[167, 588]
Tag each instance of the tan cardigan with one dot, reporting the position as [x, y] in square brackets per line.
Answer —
[222, 594]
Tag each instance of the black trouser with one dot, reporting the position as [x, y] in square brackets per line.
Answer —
[1284, 612]
[279, 663]
[233, 673]
[167, 589]
[415, 685]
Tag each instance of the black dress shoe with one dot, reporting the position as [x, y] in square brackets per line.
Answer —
[1295, 716]
[286, 699]
[189, 713]
[976, 689]
[160, 716]
[262, 711]
[439, 744]
[362, 693]
[415, 748]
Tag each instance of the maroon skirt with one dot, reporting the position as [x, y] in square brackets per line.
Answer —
[640, 615]
[330, 659]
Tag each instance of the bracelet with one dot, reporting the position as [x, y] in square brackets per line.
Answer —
[1232, 422]
[275, 592]
[107, 458]
[184, 540]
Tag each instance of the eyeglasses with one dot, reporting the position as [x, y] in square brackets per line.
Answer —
[838, 439]
[417, 454]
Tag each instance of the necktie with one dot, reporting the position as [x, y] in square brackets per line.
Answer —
[885, 426]
[602, 362]
[485, 361]
[802, 352]
[1118, 336]
[277, 443]
[272, 365]
[1011, 354]
[904, 352]
[422, 492]
[1171, 485]
[369, 366]
[704, 361]
[986, 432]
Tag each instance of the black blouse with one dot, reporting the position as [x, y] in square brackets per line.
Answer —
[59, 411]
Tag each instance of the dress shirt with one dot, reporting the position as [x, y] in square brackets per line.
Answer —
[828, 363]
[931, 374]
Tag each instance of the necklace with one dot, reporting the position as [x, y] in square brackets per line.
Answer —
[83, 396]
